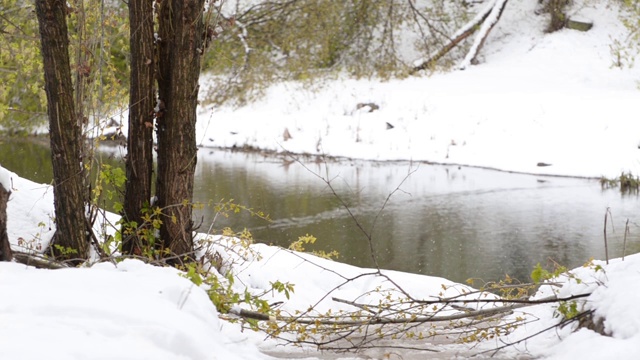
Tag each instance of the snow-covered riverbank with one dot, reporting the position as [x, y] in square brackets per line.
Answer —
[136, 311]
[535, 99]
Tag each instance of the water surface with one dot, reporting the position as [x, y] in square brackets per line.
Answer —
[449, 221]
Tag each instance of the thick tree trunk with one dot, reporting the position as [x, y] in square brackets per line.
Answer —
[139, 163]
[181, 32]
[5, 247]
[64, 132]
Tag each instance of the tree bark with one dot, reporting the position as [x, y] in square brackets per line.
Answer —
[5, 247]
[64, 132]
[139, 162]
[181, 31]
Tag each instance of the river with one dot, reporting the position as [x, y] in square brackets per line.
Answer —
[449, 221]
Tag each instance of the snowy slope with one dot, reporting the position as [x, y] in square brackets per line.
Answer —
[535, 97]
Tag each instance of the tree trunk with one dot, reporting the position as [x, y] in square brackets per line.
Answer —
[558, 17]
[64, 132]
[181, 31]
[5, 247]
[82, 74]
[139, 163]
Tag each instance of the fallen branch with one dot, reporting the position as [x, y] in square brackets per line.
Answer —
[463, 33]
[248, 314]
[490, 21]
[560, 325]
[381, 320]
[38, 261]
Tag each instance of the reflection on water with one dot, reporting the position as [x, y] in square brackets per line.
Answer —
[27, 158]
[444, 220]
[448, 221]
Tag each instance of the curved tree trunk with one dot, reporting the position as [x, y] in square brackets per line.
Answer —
[139, 163]
[64, 132]
[5, 247]
[181, 31]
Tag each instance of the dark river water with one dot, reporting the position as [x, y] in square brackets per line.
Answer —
[449, 221]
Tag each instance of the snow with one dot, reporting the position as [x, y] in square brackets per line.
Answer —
[615, 293]
[134, 311]
[534, 97]
[5, 178]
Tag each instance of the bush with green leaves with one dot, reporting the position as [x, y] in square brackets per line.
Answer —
[99, 42]
[22, 97]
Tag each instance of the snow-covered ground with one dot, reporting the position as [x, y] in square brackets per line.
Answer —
[535, 98]
[136, 311]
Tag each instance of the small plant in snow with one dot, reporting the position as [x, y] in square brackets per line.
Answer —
[66, 252]
[223, 295]
[569, 309]
[299, 245]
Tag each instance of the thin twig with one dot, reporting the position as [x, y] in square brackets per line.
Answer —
[560, 324]
[624, 243]
[381, 320]
[606, 246]
[367, 233]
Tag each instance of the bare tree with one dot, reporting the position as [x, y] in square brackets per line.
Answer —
[181, 32]
[173, 59]
[139, 162]
[64, 132]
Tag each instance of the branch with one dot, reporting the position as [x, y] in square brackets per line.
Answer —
[248, 314]
[487, 26]
[38, 261]
[463, 33]
[367, 234]
[381, 320]
[491, 12]
[560, 324]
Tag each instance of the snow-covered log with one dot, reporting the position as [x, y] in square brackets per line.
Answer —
[485, 20]
[580, 25]
[488, 24]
